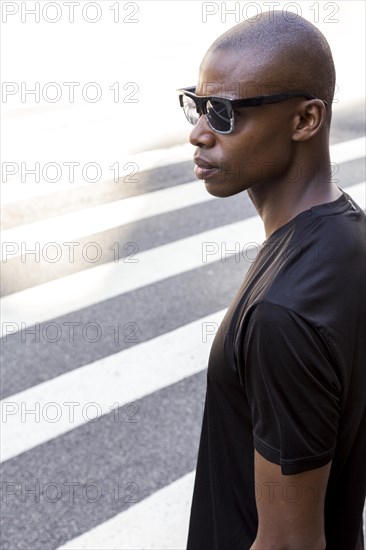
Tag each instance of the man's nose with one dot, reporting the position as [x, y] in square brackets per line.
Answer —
[202, 135]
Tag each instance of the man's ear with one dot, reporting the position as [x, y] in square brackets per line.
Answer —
[309, 119]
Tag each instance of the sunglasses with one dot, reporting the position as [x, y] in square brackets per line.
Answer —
[219, 111]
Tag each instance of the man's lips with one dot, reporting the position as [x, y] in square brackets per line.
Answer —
[204, 169]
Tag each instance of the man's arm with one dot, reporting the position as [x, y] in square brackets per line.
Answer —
[290, 507]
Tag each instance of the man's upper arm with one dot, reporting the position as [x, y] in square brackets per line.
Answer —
[290, 508]
[293, 389]
[294, 394]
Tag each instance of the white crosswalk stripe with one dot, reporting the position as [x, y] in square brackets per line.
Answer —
[171, 357]
[168, 510]
[14, 189]
[82, 223]
[46, 301]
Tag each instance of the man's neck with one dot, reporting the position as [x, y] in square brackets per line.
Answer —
[279, 202]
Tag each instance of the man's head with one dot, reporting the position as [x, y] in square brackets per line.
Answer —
[277, 53]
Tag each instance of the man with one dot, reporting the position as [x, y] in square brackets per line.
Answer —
[281, 462]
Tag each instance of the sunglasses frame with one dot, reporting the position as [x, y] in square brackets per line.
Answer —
[201, 102]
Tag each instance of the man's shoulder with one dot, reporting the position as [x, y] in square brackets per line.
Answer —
[325, 254]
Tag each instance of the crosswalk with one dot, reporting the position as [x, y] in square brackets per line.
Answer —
[103, 374]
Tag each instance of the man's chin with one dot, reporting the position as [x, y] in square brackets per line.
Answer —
[214, 189]
[221, 189]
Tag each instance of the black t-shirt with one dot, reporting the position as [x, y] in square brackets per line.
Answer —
[287, 376]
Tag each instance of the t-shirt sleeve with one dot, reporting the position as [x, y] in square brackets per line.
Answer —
[292, 387]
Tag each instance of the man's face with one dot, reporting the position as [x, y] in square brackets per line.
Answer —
[260, 150]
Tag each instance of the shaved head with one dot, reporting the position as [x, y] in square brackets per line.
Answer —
[289, 52]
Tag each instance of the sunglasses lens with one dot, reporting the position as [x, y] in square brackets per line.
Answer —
[218, 115]
[190, 110]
